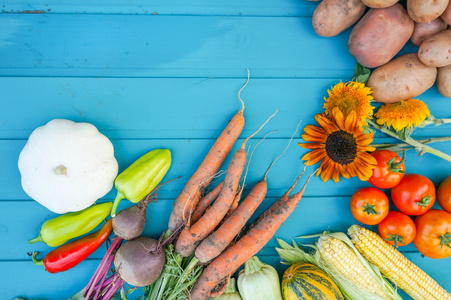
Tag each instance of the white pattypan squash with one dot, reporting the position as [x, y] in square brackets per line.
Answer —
[67, 166]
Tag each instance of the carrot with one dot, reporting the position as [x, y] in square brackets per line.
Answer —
[189, 197]
[214, 244]
[245, 248]
[191, 237]
[205, 202]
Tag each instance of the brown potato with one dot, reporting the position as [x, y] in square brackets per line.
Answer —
[424, 11]
[422, 31]
[402, 78]
[435, 51]
[446, 15]
[379, 35]
[334, 16]
[379, 3]
[444, 81]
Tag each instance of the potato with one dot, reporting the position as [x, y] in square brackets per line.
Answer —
[334, 16]
[402, 78]
[379, 35]
[379, 3]
[422, 31]
[446, 15]
[424, 11]
[444, 81]
[435, 51]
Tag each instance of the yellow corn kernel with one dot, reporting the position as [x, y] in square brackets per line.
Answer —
[338, 256]
[395, 266]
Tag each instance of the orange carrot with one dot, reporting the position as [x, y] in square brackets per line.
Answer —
[191, 237]
[204, 203]
[213, 245]
[245, 248]
[189, 197]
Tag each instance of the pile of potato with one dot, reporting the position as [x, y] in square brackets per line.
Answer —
[381, 31]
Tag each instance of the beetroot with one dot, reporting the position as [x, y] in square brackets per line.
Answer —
[139, 262]
[129, 223]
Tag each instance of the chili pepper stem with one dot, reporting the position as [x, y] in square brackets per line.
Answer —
[38, 262]
[35, 240]
[118, 199]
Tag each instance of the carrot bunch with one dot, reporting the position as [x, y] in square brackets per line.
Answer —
[212, 223]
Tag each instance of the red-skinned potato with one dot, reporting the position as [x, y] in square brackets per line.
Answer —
[422, 31]
[334, 16]
[446, 15]
[379, 3]
[435, 51]
[424, 11]
[402, 78]
[444, 81]
[379, 35]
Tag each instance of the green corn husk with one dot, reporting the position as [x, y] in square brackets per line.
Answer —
[293, 254]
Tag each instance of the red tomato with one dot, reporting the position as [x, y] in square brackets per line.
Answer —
[369, 205]
[397, 229]
[444, 194]
[389, 170]
[433, 237]
[414, 195]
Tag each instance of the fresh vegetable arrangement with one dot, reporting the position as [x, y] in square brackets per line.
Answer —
[209, 239]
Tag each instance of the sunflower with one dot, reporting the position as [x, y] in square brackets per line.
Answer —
[341, 145]
[349, 97]
[402, 114]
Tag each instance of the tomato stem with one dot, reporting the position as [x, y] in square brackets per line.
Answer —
[395, 239]
[425, 201]
[445, 240]
[370, 209]
[394, 167]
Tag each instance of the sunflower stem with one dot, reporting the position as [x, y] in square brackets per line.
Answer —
[416, 144]
[404, 146]
[433, 121]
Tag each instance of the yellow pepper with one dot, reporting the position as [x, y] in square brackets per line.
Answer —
[140, 178]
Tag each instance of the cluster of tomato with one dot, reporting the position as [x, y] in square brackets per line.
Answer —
[413, 195]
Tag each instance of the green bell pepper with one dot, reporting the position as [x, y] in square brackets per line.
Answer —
[140, 178]
[59, 230]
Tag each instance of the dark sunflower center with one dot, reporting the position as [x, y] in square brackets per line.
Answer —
[341, 147]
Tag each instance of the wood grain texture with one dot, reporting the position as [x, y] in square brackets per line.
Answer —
[166, 74]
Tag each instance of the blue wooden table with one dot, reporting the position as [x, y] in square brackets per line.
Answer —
[166, 74]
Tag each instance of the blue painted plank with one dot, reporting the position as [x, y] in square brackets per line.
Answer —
[286, 8]
[159, 107]
[165, 46]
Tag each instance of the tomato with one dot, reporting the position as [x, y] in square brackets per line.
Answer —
[414, 195]
[389, 170]
[433, 237]
[397, 229]
[369, 205]
[444, 194]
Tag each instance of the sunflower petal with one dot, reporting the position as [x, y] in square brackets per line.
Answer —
[327, 170]
[314, 156]
[309, 138]
[343, 172]
[367, 158]
[351, 122]
[365, 139]
[325, 123]
[350, 168]
[315, 131]
[338, 117]
[312, 145]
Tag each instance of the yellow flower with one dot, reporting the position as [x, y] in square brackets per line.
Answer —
[402, 114]
[349, 97]
[341, 145]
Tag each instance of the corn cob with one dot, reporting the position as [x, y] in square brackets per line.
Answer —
[342, 260]
[395, 266]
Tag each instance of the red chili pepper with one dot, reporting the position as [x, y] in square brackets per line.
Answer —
[71, 254]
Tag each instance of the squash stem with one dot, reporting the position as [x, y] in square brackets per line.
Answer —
[35, 240]
[38, 262]
[118, 199]
[252, 265]
[230, 289]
